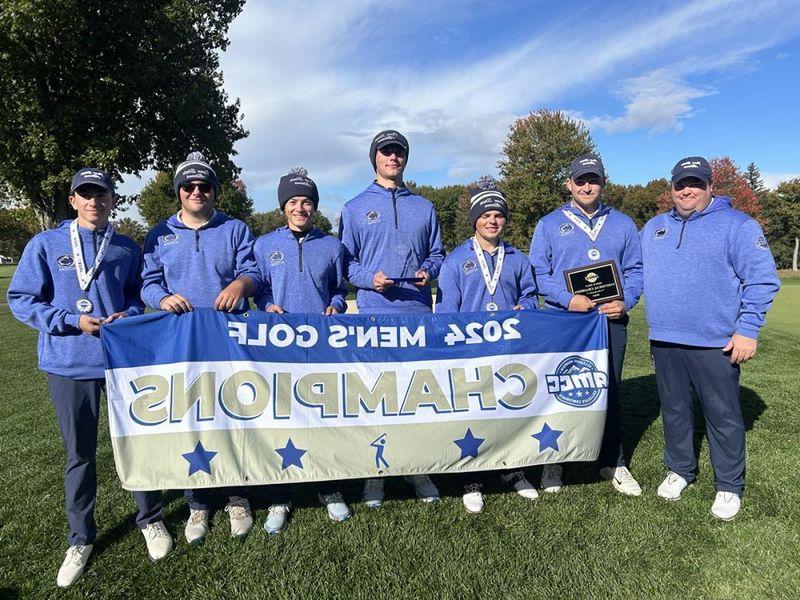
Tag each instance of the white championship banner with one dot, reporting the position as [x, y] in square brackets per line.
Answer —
[208, 399]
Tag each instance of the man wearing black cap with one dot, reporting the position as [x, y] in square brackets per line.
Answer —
[705, 252]
[580, 233]
[302, 272]
[486, 273]
[70, 282]
[201, 258]
[394, 249]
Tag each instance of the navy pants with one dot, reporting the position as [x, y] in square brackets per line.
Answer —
[77, 406]
[611, 453]
[716, 382]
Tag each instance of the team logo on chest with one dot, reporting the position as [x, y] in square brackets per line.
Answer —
[65, 262]
[660, 233]
[577, 382]
[170, 238]
[566, 229]
[372, 216]
[468, 266]
[276, 258]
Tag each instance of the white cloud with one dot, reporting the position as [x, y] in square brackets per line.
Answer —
[316, 80]
[773, 180]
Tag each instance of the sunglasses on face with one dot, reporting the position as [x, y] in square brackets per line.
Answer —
[189, 187]
[389, 150]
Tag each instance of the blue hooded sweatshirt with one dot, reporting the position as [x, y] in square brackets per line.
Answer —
[558, 245]
[45, 287]
[300, 277]
[706, 277]
[397, 232]
[197, 264]
[461, 285]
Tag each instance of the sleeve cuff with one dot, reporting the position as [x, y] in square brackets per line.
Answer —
[749, 332]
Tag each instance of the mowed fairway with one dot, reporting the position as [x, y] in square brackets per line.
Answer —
[584, 542]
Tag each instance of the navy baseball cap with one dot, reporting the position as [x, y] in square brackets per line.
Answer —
[692, 166]
[586, 163]
[93, 176]
[386, 138]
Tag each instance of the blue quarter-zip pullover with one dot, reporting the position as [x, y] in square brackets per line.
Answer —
[300, 275]
[706, 277]
[558, 245]
[45, 287]
[397, 232]
[462, 288]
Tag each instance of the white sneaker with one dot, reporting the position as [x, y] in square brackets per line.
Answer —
[335, 504]
[373, 494]
[241, 517]
[73, 565]
[473, 498]
[158, 540]
[197, 526]
[726, 506]
[425, 489]
[622, 480]
[672, 487]
[518, 481]
[277, 518]
[552, 478]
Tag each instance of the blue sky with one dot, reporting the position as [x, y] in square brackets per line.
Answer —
[654, 81]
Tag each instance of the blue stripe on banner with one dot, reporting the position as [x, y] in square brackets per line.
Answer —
[209, 335]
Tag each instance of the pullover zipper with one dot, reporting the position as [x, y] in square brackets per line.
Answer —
[680, 238]
[394, 205]
[197, 240]
[300, 252]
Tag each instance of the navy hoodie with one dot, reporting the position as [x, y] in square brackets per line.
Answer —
[197, 264]
[45, 287]
[300, 277]
[397, 232]
[706, 277]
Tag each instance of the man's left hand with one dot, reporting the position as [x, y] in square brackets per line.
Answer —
[742, 348]
[425, 277]
[114, 317]
[331, 310]
[613, 310]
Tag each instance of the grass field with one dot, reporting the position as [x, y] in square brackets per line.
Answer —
[585, 542]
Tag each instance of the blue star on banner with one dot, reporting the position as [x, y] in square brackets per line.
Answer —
[548, 438]
[199, 459]
[469, 444]
[291, 455]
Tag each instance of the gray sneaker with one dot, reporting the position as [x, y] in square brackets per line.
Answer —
[552, 478]
[277, 518]
[337, 509]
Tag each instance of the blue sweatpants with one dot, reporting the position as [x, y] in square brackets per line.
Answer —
[77, 405]
[716, 381]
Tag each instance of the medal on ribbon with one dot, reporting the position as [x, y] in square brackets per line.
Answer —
[490, 280]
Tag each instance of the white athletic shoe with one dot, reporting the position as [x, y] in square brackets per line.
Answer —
[277, 518]
[726, 506]
[672, 487]
[425, 489]
[473, 498]
[73, 565]
[240, 515]
[157, 539]
[197, 526]
[622, 480]
[518, 481]
[336, 506]
[373, 495]
[552, 478]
